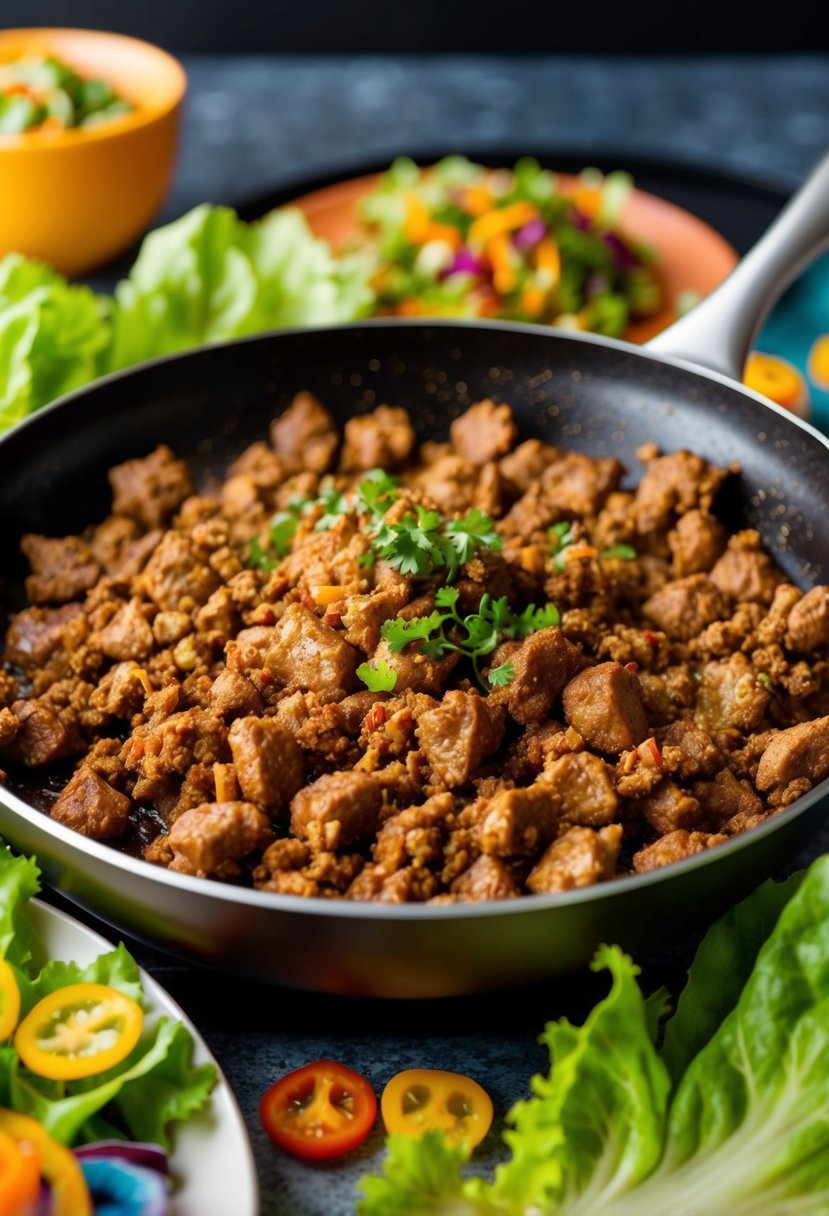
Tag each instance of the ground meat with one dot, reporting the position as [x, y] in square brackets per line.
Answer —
[458, 734]
[61, 569]
[306, 433]
[604, 704]
[150, 490]
[89, 806]
[696, 542]
[268, 761]
[306, 653]
[579, 858]
[338, 809]
[383, 439]
[218, 685]
[212, 838]
[484, 432]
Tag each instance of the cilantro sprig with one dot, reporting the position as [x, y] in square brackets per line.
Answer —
[377, 677]
[421, 543]
[560, 537]
[473, 636]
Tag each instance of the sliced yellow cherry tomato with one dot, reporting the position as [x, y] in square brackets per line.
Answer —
[819, 362]
[79, 1031]
[9, 1001]
[422, 1098]
[19, 1176]
[69, 1193]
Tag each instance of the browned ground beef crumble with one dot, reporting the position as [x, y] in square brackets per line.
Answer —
[683, 699]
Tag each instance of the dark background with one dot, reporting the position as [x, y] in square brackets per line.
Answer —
[279, 26]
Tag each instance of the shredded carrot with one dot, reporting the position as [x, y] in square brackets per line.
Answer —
[441, 232]
[532, 301]
[410, 307]
[417, 220]
[503, 219]
[477, 200]
[588, 199]
[548, 262]
[502, 257]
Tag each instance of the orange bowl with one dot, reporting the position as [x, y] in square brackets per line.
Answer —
[77, 198]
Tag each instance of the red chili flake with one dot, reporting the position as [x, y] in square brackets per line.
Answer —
[334, 619]
[265, 616]
[375, 717]
[632, 667]
[653, 752]
[264, 677]
[651, 638]
[308, 601]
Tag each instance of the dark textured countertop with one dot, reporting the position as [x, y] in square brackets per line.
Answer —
[256, 123]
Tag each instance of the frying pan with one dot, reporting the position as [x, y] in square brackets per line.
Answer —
[595, 395]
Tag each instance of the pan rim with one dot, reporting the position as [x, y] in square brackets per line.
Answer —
[371, 911]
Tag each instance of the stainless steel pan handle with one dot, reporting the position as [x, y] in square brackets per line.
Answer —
[718, 333]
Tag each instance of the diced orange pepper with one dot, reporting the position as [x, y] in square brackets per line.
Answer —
[502, 219]
[548, 261]
[442, 232]
[488, 306]
[532, 301]
[588, 199]
[499, 252]
[324, 594]
[410, 307]
[477, 200]
[819, 362]
[778, 379]
[417, 220]
[532, 558]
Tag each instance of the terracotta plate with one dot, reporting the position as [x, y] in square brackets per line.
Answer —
[692, 256]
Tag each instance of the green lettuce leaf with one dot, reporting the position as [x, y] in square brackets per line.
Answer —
[19, 881]
[421, 1177]
[52, 336]
[722, 964]
[118, 969]
[208, 277]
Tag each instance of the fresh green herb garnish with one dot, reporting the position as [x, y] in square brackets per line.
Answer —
[560, 537]
[624, 553]
[473, 636]
[766, 680]
[500, 676]
[377, 677]
[281, 534]
[258, 558]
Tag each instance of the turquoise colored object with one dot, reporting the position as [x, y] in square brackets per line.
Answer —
[801, 316]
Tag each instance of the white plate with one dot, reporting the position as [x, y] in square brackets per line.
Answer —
[212, 1160]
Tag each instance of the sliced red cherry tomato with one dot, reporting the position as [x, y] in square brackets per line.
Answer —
[9, 1000]
[320, 1111]
[422, 1098]
[79, 1031]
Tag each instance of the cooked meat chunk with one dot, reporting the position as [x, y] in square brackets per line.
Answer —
[61, 569]
[234, 696]
[458, 734]
[150, 490]
[543, 665]
[676, 846]
[579, 858]
[306, 653]
[801, 752]
[731, 696]
[696, 542]
[127, 635]
[486, 878]
[668, 808]
[383, 439]
[582, 786]
[175, 578]
[212, 838]
[485, 432]
[89, 806]
[744, 572]
[685, 606]
[35, 633]
[604, 704]
[808, 622]
[269, 764]
[339, 809]
[42, 738]
[306, 433]
[673, 485]
[198, 652]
